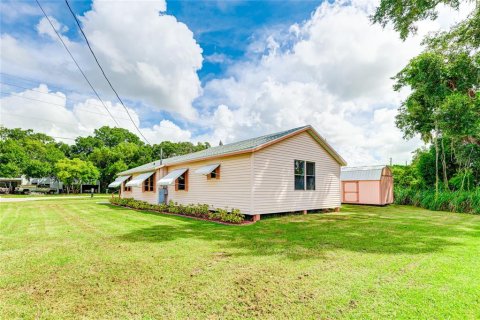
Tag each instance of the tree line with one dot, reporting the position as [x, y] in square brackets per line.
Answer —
[443, 106]
[96, 157]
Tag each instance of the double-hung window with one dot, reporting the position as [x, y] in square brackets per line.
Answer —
[149, 183]
[182, 182]
[125, 188]
[304, 172]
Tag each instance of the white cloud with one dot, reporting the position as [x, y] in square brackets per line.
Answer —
[44, 28]
[45, 111]
[149, 56]
[333, 72]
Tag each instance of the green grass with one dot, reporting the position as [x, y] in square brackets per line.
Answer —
[96, 195]
[84, 259]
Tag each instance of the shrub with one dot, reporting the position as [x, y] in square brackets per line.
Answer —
[196, 210]
[454, 201]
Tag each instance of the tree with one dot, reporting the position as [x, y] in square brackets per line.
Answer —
[84, 146]
[75, 172]
[444, 79]
[111, 137]
[404, 15]
[23, 152]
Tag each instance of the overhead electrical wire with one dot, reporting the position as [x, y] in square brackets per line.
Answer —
[103, 72]
[42, 119]
[75, 61]
[31, 117]
[53, 104]
[56, 104]
[55, 95]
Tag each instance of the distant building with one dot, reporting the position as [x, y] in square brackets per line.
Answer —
[367, 185]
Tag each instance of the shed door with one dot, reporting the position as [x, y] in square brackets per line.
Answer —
[350, 191]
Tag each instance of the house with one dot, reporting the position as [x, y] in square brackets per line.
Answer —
[293, 170]
[367, 185]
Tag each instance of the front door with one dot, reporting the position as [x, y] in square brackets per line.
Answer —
[161, 195]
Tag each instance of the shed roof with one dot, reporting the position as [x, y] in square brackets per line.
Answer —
[248, 145]
[362, 173]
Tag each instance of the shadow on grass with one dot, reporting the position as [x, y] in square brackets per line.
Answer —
[391, 230]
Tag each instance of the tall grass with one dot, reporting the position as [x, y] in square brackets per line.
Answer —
[454, 201]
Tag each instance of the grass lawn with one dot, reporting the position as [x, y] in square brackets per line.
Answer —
[83, 259]
[41, 195]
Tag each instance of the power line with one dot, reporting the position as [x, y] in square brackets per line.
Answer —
[75, 61]
[103, 72]
[53, 94]
[29, 80]
[56, 104]
[37, 118]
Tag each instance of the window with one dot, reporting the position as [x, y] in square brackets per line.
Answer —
[125, 188]
[182, 182]
[304, 175]
[149, 184]
[215, 174]
[310, 176]
[299, 175]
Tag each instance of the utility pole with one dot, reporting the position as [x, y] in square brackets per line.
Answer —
[390, 161]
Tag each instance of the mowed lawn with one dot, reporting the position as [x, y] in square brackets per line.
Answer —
[80, 258]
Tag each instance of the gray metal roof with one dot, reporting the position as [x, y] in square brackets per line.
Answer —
[362, 173]
[244, 145]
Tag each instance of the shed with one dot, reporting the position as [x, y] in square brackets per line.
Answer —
[367, 185]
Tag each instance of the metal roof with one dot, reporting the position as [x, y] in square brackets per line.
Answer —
[362, 173]
[244, 145]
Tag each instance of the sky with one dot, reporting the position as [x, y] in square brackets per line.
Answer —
[211, 70]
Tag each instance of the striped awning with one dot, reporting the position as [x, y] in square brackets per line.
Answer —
[118, 181]
[171, 177]
[138, 180]
[207, 169]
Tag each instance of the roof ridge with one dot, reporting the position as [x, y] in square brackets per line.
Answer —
[240, 142]
[226, 149]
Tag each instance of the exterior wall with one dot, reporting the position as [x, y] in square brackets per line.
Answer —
[273, 177]
[369, 192]
[232, 190]
[387, 186]
[137, 192]
[350, 191]
[375, 192]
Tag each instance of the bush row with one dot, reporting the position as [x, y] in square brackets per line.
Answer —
[454, 201]
[194, 210]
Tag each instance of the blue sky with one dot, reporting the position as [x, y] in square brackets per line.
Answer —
[227, 28]
[211, 70]
[220, 27]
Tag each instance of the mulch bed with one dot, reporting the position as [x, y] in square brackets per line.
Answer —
[243, 223]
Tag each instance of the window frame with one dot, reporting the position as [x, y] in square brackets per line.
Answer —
[304, 175]
[216, 172]
[125, 188]
[149, 183]
[310, 176]
[295, 174]
[177, 183]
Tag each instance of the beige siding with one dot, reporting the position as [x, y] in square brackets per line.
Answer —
[138, 194]
[258, 183]
[232, 190]
[273, 177]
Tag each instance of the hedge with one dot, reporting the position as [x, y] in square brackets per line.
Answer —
[453, 201]
[193, 210]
